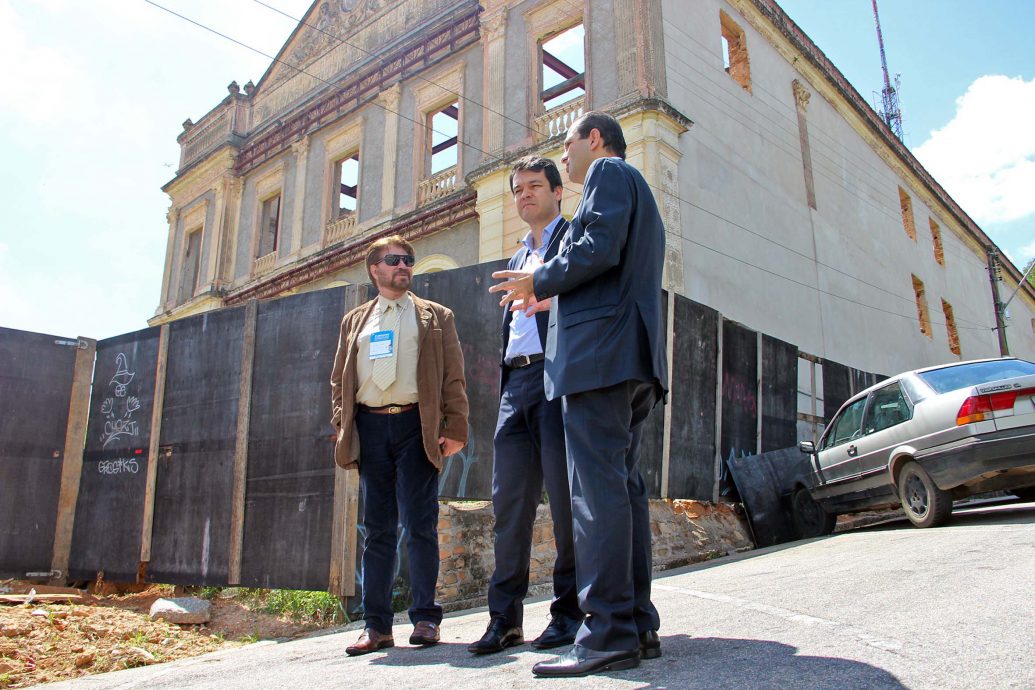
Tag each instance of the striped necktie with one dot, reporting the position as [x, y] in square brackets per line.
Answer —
[383, 373]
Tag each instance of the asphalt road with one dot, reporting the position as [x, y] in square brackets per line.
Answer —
[887, 606]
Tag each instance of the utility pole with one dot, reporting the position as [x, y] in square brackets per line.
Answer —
[997, 304]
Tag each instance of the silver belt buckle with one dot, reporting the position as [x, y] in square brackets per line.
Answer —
[394, 409]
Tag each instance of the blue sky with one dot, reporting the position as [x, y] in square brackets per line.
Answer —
[94, 94]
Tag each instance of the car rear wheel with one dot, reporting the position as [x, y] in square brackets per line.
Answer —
[810, 520]
[925, 504]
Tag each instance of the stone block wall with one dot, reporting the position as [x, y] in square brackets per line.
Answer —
[683, 532]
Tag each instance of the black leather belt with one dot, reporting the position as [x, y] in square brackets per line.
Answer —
[524, 360]
[388, 409]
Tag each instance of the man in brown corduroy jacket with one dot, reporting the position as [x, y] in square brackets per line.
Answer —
[399, 404]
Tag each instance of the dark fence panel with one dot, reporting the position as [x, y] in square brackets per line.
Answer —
[196, 455]
[739, 397]
[468, 474]
[290, 491]
[35, 390]
[779, 394]
[837, 387]
[109, 511]
[652, 438]
[694, 373]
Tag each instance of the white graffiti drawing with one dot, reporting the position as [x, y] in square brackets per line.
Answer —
[119, 407]
[118, 466]
[122, 375]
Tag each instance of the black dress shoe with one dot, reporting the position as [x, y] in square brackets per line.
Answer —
[650, 645]
[498, 636]
[561, 631]
[579, 661]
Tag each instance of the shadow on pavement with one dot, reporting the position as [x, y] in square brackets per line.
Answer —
[687, 662]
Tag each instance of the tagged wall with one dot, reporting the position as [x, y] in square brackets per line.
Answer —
[208, 453]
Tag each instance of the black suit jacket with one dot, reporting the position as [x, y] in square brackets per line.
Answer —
[606, 324]
[542, 319]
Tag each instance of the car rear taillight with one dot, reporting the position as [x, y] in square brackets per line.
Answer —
[976, 407]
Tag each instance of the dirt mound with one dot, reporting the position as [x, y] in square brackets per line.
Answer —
[46, 641]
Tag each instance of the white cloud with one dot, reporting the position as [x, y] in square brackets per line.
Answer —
[985, 157]
[1027, 254]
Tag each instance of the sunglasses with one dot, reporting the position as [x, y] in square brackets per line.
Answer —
[394, 259]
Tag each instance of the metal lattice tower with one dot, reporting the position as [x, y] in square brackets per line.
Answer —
[890, 112]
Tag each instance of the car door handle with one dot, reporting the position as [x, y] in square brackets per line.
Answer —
[852, 450]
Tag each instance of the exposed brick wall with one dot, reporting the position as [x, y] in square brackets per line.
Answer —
[682, 532]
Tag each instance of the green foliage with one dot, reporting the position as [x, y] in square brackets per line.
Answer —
[249, 639]
[1031, 275]
[321, 607]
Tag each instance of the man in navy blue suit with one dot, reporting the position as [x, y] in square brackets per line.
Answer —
[605, 358]
[528, 448]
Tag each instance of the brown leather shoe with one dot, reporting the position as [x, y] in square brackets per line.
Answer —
[370, 641]
[425, 633]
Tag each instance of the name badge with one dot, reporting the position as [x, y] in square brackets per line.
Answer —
[382, 344]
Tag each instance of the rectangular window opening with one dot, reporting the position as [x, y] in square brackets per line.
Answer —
[269, 225]
[346, 176]
[950, 326]
[906, 205]
[936, 238]
[191, 265]
[734, 51]
[921, 307]
[563, 67]
[444, 130]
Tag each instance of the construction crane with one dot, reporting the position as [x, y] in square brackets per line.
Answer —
[890, 113]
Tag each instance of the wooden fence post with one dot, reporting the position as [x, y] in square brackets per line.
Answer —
[152, 453]
[244, 413]
[344, 521]
[72, 459]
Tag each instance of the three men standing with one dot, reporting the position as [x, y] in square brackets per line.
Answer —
[605, 357]
[528, 447]
[399, 404]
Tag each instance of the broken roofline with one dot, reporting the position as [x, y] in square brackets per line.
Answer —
[801, 41]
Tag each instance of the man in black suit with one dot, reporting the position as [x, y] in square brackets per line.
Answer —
[528, 448]
[605, 356]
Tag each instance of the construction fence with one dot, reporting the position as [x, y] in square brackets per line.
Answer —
[200, 452]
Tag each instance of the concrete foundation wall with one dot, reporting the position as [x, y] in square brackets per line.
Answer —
[683, 532]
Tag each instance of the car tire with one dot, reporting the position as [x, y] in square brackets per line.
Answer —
[810, 520]
[925, 504]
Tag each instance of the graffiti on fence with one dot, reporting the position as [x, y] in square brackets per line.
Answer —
[118, 408]
[118, 466]
[466, 458]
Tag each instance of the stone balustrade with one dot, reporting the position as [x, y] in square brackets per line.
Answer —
[557, 120]
[264, 264]
[437, 186]
[341, 228]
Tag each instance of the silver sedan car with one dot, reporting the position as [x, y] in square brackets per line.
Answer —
[923, 439]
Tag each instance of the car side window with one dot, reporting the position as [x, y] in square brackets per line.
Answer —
[888, 407]
[847, 426]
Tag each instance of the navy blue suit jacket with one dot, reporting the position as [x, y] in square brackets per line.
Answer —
[542, 318]
[606, 324]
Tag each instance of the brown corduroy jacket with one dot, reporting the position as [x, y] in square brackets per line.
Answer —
[441, 386]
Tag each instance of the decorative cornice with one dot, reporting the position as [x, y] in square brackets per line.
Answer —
[425, 49]
[801, 94]
[454, 209]
[618, 109]
[300, 147]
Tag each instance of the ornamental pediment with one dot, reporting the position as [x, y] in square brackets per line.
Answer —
[334, 38]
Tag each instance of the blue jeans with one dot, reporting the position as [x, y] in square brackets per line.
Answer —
[399, 484]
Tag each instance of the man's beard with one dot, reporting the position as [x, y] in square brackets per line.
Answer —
[399, 281]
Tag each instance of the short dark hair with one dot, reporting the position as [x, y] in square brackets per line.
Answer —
[377, 249]
[535, 164]
[610, 130]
